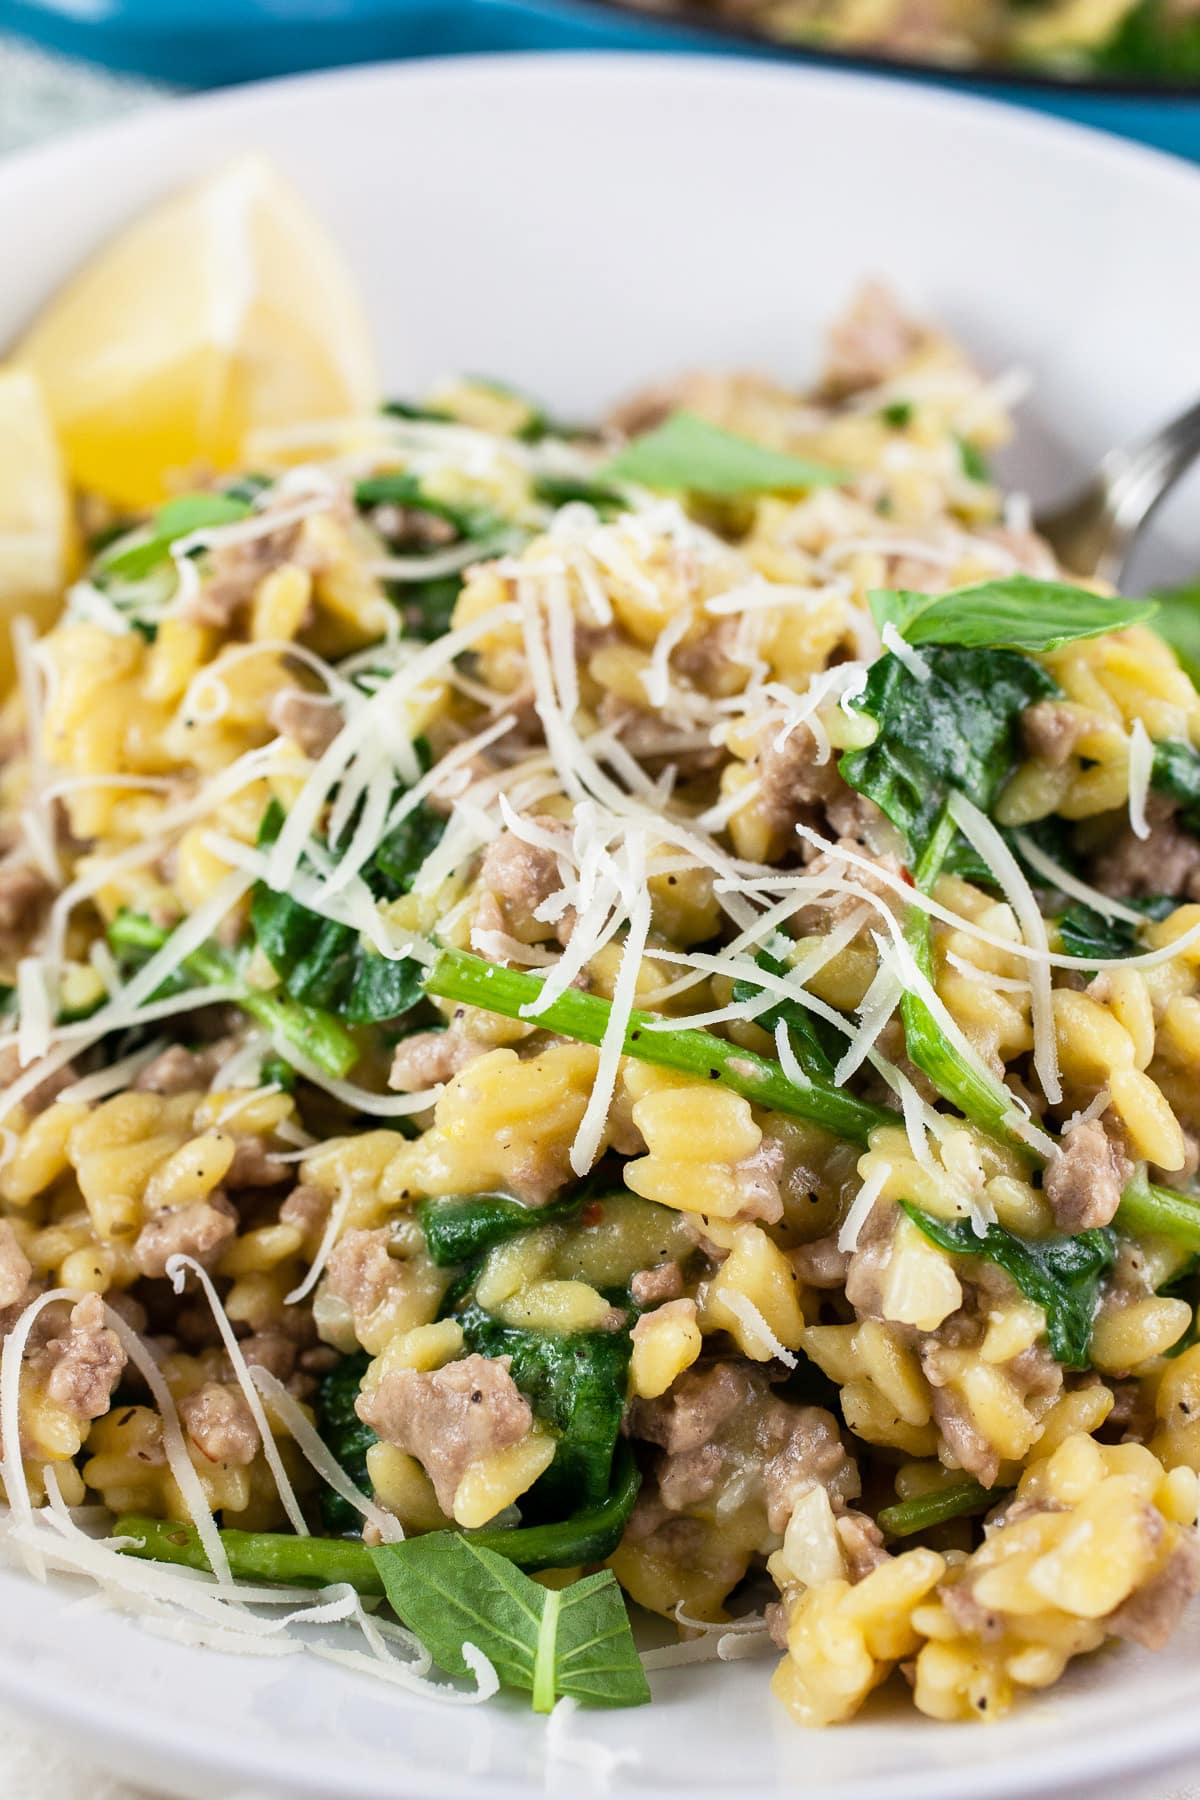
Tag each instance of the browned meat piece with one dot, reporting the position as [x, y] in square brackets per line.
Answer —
[234, 573]
[1132, 1419]
[448, 1418]
[307, 1208]
[1085, 1177]
[792, 778]
[1050, 731]
[1167, 862]
[695, 1409]
[16, 1270]
[199, 1229]
[1151, 1613]
[46, 1091]
[971, 1450]
[820, 1264]
[25, 895]
[868, 1261]
[521, 876]
[429, 1057]
[361, 1274]
[312, 721]
[178, 1071]
[862, 1544]
[721, 1428]
[870, 342]
[218, 1421]
[272, 1350]
[412, 525]
[254, 1166]
[819, 917]
[651, 1287]
[84, 1365]
[969, 1614]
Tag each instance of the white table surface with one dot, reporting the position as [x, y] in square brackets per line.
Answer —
[40, 97]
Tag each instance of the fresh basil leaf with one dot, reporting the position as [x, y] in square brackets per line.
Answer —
[346, 1436]
[574, 1640]
[177, 518]
[1019, 613]
[1176, 772]
[957, 731]
[804, 1030]
[575, 1381]
[687, 454]
[1062, 1275]
[1083, 931]
[1178, 621]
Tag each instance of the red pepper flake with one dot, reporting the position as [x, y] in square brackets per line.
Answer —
[592, 1213]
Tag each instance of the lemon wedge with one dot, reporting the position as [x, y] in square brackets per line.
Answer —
[223, 309]
[36, 533]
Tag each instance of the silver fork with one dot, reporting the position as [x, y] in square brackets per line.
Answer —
[1094, 533]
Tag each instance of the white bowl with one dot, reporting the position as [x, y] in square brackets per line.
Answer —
[577, 226]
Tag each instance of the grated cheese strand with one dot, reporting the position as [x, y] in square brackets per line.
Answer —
[318, 1454]
[984, 837]
[1141, 768]
[176, 1271]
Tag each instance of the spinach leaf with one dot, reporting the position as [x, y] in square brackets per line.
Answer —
[1019, 613]
[1178, 621]
[176, 519]
[1085, 932]
[346, 1436]
[805, 1032]
[550, 1641]
[398, 488]
[326, 964]
[1176, 771]
[427, 607]
[561, 490]
[974, 462]
[317, 1034]
[575, 1381]
[688, 454]
[897, 414]
[955, 731]
[460, 1227]
[1062, 1275]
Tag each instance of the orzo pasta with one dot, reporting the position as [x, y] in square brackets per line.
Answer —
[633, 992]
